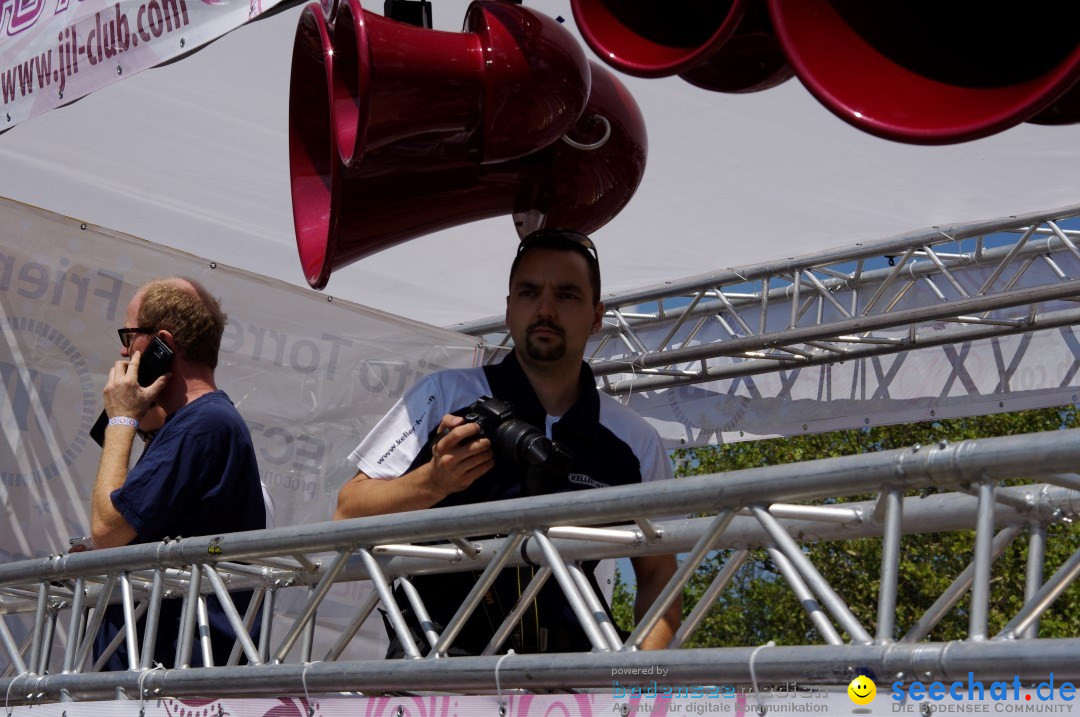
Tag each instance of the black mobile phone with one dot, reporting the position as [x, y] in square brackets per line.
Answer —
[155, 361]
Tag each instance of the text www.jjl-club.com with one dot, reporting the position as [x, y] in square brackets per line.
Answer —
[91, 42]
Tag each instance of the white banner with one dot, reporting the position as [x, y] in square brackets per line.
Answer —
[655, 697]
[55, 51]
[976, 378]
[309, 375]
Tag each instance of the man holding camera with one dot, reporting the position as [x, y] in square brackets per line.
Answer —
[198, 475]
[552, 309]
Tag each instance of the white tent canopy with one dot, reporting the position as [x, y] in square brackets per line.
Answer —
[193, 155]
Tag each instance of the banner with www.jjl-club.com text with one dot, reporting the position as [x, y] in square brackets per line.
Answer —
[55, 51]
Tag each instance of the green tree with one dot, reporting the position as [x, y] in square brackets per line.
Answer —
[758, 605]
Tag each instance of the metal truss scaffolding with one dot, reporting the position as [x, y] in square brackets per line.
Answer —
[784, 508]
[941, 286]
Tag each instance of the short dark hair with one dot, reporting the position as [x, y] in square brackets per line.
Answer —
[190, 313]
[562, 240]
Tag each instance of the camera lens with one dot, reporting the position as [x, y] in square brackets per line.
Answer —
[521, 442]
[535, 450]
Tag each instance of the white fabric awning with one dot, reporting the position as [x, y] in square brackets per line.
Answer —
[194, 155]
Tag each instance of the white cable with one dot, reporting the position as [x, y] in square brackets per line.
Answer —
[753, 674]
[7, 698]
[498, 686]
[142, 690]
[303, 681]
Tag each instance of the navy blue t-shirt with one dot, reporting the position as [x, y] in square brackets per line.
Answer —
[198, 476]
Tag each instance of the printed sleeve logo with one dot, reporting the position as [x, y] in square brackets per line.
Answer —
[587, 480]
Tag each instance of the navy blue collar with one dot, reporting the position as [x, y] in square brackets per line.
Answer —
[509, 383]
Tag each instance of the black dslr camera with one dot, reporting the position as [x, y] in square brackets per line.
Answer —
[520, 442]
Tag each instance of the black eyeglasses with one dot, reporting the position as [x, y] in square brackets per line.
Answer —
[553, 236]
[128, 335]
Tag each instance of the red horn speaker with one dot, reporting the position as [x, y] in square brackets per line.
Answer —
[513, 82]
[726, 46]
[929, 72]
[342, 215]
[314, 165]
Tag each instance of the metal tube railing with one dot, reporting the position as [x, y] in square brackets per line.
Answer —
[829, 599]
[153, 614]
[946, 466]
[805, 597]
[980, 586]
[820, 664]
[1034, 573]
[956, 590]
[575, 519]
[890, 562]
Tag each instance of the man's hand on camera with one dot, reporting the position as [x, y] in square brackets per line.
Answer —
[461, 456]
[123, 394]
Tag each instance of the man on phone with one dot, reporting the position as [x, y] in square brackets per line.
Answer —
[198, 476]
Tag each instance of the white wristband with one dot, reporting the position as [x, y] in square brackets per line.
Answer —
[123, 421]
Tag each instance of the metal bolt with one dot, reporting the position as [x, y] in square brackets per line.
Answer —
[61, 94]
[933, 413]
[119, 70]
[400, 710]
[181, 42]
[83, 227]
[213, 265]
[502, 710]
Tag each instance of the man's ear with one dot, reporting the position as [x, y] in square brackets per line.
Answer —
[598, 318]
[167, 337]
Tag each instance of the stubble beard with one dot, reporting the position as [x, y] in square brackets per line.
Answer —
[541, 351]
[538, 352]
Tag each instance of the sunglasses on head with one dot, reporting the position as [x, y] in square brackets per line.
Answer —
[128, 335]
[545, 236]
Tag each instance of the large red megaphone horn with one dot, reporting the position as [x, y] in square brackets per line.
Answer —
[725, 46]
[513, 82]
[929, 72]
[580, 182]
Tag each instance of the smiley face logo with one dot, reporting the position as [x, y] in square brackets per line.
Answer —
[862, 690]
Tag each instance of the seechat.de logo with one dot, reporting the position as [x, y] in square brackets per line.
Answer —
[862, 690]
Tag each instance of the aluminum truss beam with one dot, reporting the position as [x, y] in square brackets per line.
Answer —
[946, 285]
[744, 508]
